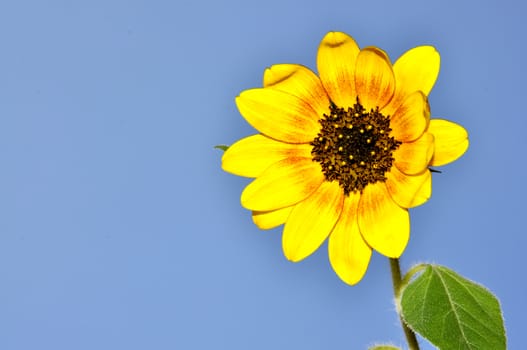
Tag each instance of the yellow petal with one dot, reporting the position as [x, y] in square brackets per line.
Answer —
[409, 190]
[336, 65]
[279, 115]
[252, 155]
[299, 81]
[416, 70]
[283, 184]
[411, 118]
[311, 221]
[451, 141]
[374, 79]
[384, 225]
[266, 220]
[414, 157]
[348, 252]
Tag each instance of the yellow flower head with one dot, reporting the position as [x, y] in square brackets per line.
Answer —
[343, 154]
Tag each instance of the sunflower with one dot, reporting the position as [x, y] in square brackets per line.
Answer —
[345, 154]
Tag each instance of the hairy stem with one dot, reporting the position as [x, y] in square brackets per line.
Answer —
[396, 279]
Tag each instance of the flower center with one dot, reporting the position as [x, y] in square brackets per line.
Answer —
[354, 147]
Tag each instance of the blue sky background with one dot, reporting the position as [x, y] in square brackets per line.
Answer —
[118, 229]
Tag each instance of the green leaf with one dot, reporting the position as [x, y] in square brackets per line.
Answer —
[222, 147]
[384, 347]
[452, 312]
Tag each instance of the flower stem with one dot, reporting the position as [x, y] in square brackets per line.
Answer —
[396, 279]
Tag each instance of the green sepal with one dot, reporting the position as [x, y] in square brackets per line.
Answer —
[222, 147]
[451, 311]
[384, 347]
